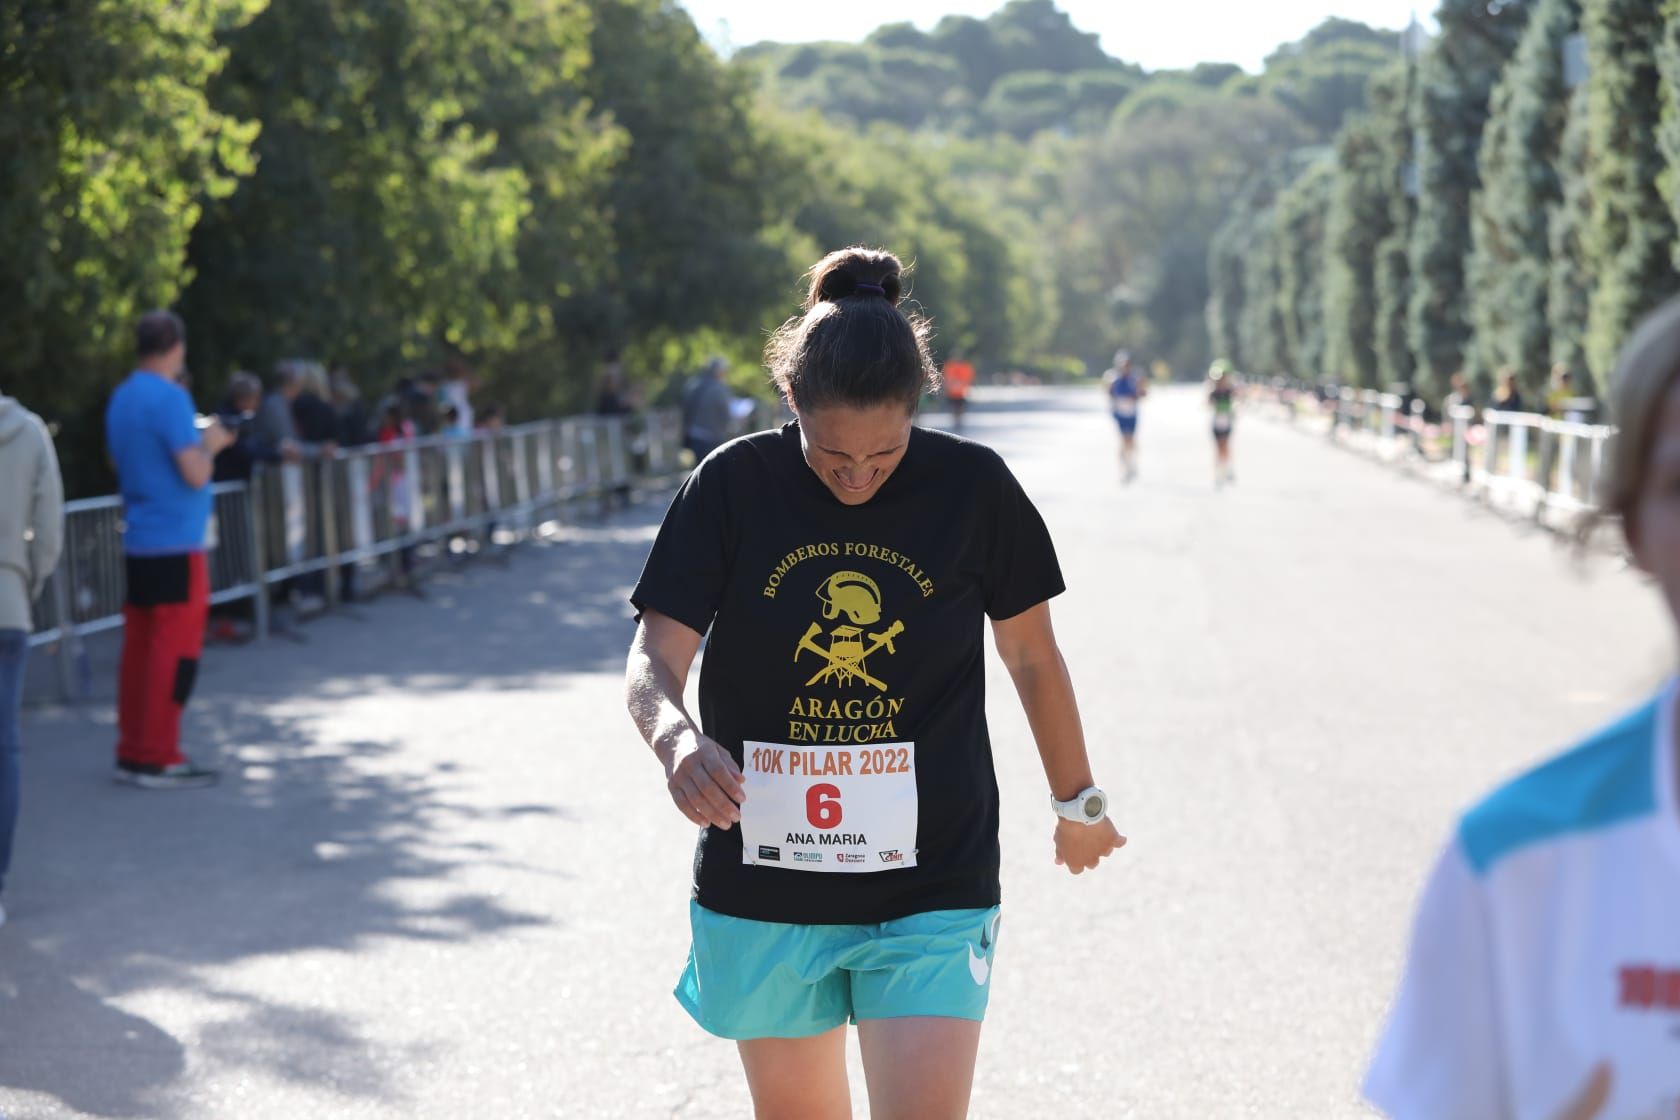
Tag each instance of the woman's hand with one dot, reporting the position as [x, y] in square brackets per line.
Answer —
[1079, 846]
[704, 781]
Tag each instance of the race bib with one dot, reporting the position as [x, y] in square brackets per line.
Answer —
[1221, 421]
[850, 809]
[1125, 406]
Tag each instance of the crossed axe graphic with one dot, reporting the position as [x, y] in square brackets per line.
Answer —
[840, 664]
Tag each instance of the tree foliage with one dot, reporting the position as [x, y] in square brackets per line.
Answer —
[1360, 219]
[388, 184]
[1509, 264]
[1630, 235]
[112, 150]
[1454, 82]
[1569, 278]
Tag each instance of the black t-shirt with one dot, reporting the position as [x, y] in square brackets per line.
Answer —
[756, 549]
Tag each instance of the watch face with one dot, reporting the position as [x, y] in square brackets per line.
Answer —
[1093, 807]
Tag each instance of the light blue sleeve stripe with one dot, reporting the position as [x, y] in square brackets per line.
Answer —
[1604, 781]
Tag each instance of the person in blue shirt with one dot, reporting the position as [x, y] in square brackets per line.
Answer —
[1126, 387]
[164, 462]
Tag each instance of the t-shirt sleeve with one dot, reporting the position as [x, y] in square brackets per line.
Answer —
[1021, 566]
[175, 419]
[1441, 1056]
[686, 571]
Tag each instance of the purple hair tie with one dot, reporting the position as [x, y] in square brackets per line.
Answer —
[876, 288]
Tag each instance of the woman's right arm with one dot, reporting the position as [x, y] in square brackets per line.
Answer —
[703, 780]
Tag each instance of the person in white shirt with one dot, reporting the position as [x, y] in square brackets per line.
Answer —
[1543, 981]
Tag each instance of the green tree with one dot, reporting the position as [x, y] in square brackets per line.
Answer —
[1569, 280]
[1302, 209]
[112, 149]
[1360, 219]
[1455, 80]
[1391, 119]
[1507, 273]
[377, 225]
[1245, 311]
[1630, 237]
[1154, 187]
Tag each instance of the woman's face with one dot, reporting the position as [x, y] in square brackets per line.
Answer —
[854, 450]
[1657, 512]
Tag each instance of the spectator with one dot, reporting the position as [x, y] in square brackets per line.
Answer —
[352, 429]
[1462, 395]
[312, 416]
[456, 391]
[31, 535]
[273, 429]
[1562, 400]
[417, 399]
[708, 409]
[238, 460]
[491, 421]
[390, 481]
[612, 398]
[1508, 398]
[163, 464]
[230, 622]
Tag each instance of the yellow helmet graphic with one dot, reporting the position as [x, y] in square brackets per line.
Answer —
[853, 593]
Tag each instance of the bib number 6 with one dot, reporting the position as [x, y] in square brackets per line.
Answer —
[822, 805]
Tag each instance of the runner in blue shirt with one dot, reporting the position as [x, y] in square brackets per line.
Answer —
[1126, 387]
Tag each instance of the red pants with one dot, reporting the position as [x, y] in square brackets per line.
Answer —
[163, 635]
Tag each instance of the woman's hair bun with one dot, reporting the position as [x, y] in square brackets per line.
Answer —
[855, 272]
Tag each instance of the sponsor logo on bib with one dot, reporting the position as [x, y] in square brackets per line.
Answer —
[842, 783]
[766, 851]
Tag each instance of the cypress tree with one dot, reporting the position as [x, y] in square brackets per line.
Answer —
[1361, 217]
[1301, 213]
[1511, 252]
[1455, 81]
[1630, 236]
[1393, 277]
[1569, 280]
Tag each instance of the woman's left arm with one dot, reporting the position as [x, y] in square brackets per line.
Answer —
[1027, 645]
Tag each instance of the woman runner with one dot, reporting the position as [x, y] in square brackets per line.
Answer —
[1222, 398]
[1125, 389]
[1544, 975]
[840, 768]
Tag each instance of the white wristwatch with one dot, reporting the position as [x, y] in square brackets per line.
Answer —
[1090, 807]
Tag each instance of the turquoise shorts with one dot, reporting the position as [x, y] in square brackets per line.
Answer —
[748, 979]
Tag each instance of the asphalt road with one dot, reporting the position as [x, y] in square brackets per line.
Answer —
[443, 880]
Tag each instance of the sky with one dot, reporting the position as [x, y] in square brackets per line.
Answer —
[1170, 35]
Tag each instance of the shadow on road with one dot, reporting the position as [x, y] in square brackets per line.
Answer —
[312, 844]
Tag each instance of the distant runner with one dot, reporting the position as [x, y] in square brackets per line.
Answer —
[1126, 387]
[959, 379]
[1222, 399]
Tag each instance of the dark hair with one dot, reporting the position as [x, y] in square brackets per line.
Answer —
[853, 345]
[157, 333]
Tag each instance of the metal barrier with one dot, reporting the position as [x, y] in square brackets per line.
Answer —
[1537, 464]
[333, 519]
